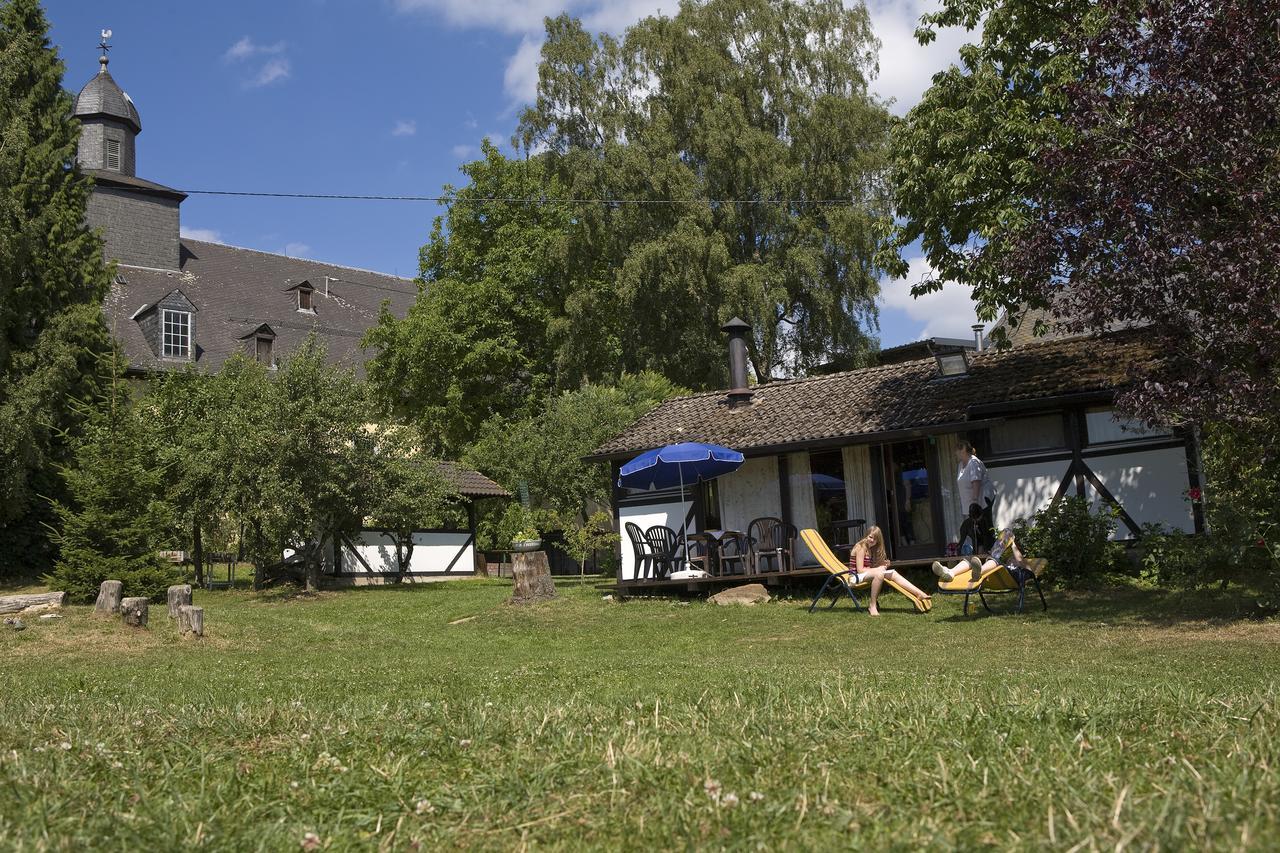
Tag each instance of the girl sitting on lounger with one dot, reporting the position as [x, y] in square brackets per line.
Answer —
[1004, 552]
[869, 560]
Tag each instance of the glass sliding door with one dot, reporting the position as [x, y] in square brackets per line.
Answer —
[909, 488]
[830, 505]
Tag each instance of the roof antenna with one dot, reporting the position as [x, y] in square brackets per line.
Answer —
[105, 46]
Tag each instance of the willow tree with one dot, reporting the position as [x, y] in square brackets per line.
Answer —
[749, 155]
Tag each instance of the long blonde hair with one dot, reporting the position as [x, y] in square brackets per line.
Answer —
[876, 555]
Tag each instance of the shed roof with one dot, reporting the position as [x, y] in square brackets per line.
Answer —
[471, 483]
[880, 400]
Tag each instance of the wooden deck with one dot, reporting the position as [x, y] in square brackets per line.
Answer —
[798, 576]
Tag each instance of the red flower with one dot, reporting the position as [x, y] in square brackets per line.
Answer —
[1194, 494]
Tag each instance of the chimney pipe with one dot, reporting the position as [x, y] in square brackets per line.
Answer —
[737, 330]
[977, 336]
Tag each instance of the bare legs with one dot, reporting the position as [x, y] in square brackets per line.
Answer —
[878, 576]
[964, 565]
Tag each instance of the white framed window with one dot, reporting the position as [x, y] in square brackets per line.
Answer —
[175, 334]
[1106, 427]
[111, 154]
[1037, 433]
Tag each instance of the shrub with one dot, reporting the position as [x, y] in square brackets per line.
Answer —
[1076, 541]
[1175, 559]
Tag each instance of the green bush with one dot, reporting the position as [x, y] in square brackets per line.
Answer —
[1076, 542]
[1175, 559]
[80, 574]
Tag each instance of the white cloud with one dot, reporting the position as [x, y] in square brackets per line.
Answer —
[520, 80]
[206, 235]
[247, 47]
[906, 67]
[947, 313]
[296, 250]
[405, 127]
[507, 16]
[465, 152]
[273, 71]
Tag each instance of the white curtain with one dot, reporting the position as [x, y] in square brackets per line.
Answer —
[749, 493]
[952, 513]
[858, 491]
[803, 512]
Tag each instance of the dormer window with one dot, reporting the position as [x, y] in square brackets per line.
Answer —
[175, 338]
[952, 364]
[304, 299]
[111, 154]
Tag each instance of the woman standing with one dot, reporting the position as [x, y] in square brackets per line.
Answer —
[869, 560]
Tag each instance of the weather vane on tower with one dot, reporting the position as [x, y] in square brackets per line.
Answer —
[105, 46]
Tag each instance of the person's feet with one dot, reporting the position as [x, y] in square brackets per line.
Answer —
[975, 563]
[942, 571]
[871, 611]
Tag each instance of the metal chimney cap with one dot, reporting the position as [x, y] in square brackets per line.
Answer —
[737, 324]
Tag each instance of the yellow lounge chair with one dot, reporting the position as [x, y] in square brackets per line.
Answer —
[841, 577]
[996, 581]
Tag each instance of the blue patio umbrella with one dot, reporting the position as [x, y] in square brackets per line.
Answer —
[676, 465]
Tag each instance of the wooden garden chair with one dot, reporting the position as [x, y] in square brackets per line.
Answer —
[841, 578]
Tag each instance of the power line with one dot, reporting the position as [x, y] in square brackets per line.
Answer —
[437, 199]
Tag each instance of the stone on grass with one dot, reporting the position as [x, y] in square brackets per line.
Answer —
[191, 620]
[133, 611]
[748, 594]
[15, 623]
[109, 597]
[179, 594]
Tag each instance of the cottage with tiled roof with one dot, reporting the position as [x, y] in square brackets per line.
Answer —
[843, 451]
[177, 302]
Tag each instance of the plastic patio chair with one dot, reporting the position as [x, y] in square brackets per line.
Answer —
[772, 543]
[641, 552]
[665, 547]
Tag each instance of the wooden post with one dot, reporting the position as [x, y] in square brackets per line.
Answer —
[191, 620]
[109, 597]
[43, 600]
[134, 612]
[532, 575]
[179, 594]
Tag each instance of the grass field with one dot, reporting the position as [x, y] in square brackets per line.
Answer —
[377, 719]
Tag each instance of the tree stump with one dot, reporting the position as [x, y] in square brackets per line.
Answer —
[109, 597]
[532, 575]
[191, 620]
[32, 603]
[134, 612]
[179, 595]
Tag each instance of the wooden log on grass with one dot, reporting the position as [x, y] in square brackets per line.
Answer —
[191, 620]
[179, 595]
[18, 603]
[134, 612]
[109, 597]
[532, 574]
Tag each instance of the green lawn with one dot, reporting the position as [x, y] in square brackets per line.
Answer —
[374, 718]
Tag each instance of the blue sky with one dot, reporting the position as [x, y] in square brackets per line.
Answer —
[383, 97]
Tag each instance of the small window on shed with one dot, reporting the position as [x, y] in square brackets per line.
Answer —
[304, 299]
[262, 350]
[111, 155]
[1105, 427]
[1028, 435]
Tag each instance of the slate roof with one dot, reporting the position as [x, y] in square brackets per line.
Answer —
[102, 95]
[860, 404]
[471, 483]
[236, 290]
[103, 177]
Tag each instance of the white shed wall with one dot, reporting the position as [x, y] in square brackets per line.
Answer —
[671, 514]
[432, 554]
[1023, 489]
[1151, 485]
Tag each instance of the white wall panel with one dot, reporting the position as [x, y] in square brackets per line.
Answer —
[1023, 489]
[432, 553]
[671, 514]
[1151, 485]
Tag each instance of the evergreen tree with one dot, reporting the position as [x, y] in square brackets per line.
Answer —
[115, 521]
[52, 283]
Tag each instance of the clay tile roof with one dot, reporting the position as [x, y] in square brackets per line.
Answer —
[890, 398]
[471, 483]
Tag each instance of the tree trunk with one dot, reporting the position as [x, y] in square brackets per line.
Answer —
[191, 620]
[134, 612]
[109, 597]
[17, 603]
[179, 595]
[532, 575]
[197, 553]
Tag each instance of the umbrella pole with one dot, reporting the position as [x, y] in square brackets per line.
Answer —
[684, 520]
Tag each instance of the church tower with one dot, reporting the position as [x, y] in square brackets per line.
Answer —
[138, 218]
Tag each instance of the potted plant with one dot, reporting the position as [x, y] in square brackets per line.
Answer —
[526, 539]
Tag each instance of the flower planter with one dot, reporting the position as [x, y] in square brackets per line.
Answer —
[524, 546]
